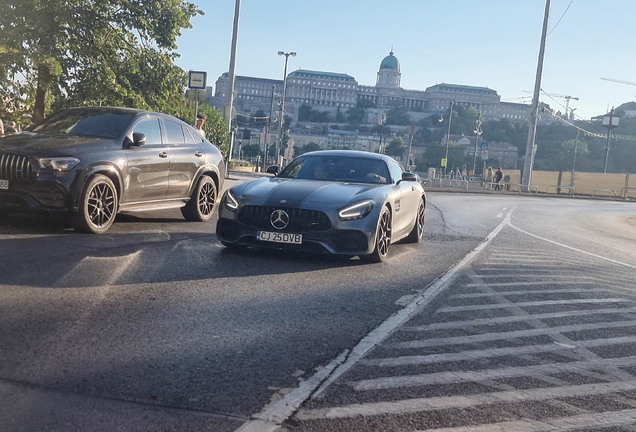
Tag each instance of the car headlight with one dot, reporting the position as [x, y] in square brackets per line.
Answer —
[357, 210]
[231, 203]
[58, 164]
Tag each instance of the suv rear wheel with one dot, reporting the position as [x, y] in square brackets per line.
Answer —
[200, 208]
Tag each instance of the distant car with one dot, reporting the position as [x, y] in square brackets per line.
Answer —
[95, 162]
[341, 202]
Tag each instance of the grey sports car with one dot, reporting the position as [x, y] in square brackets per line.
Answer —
[341, 202]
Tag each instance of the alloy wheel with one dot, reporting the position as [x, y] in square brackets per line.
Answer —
[207, 198]
[101, 204]
[384, 234]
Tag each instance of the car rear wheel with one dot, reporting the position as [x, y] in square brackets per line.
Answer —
[382, 238]
[415, 236]
[98, 206]
[200, 208]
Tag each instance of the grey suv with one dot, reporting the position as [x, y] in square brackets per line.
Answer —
[96, 162]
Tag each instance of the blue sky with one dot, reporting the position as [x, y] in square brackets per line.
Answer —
[491, 43]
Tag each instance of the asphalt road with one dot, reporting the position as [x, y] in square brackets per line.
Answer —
[155, 326]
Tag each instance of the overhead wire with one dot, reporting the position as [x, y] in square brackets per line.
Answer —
[557, 24]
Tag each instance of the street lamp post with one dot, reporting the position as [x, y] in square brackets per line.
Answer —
[282, 103]
[478, 133]
[382, 122]
[450, 118]
[610, 121]
[269, 128]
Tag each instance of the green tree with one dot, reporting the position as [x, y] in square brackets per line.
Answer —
[309, 147]
[251, 150]
[398, 116]
[340, 117]
[85, 51]
[566, 155]
[395, 147]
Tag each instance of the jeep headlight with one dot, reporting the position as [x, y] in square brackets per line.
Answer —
[357, 210]
[58, 164]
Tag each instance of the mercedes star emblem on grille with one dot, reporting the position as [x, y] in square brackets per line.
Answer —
[279, 219]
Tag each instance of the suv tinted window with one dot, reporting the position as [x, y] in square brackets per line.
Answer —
[174, 133]
[187, 136]
[150, 128]
[86, 122]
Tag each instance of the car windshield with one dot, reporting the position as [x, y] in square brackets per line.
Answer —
[89, 122]
[338, 168]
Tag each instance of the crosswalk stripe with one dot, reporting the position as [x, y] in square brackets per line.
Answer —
[487, 337]
[490, 353]
[527, 292]
[530, 304]
[532, 283]
[517, 318]
[560, 424]
[450, 402]
[488, 374]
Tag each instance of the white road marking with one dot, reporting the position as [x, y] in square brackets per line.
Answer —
[270, 420]
[531, 304]
[499, 215]
[527, 292]
[488, 337]
[107, 270]
[560, 424]
[533, 283]
[572, 248]
[458, 377]
[494, 352]
[517, 318]
[449, 402]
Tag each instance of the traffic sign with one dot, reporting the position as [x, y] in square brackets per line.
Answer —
[484, 146]
[444, 162]
[484, 155]
[197, 80]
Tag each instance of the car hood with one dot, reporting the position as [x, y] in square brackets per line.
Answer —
[34, 144]
[294, 192]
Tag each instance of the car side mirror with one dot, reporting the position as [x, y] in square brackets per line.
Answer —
[409, 176]
[272, 169]
[139, 139]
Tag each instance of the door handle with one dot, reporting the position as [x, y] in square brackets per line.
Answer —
[163, 154]
[198, 154]
[413, 188]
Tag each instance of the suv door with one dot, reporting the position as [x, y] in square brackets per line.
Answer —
[186, 157]
[148, 165]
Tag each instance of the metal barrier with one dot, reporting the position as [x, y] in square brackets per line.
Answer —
[557, 187]
[533, 188]
[463, 182]
[626, 191]
[609, 192]
[424, 182]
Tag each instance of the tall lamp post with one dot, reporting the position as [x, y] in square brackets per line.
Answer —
[610, 121]
[450, 118]
[282, 103]
[478, 133]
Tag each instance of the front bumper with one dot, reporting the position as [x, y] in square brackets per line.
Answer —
[349, 238]
[48, 192]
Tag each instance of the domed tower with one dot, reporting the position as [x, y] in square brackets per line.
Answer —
[389, 74]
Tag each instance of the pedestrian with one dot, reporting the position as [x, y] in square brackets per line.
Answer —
[498, 177]
[201, 118]
[488, 177]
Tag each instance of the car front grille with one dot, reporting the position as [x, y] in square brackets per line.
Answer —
[300, 220]
[15, 167]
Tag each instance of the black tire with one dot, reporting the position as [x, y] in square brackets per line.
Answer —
[416, 235]
[202, 203]
[382, 238]
[233, 246]
[98, 206]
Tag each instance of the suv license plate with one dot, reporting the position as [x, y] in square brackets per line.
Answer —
[4, 184]
[280, 237]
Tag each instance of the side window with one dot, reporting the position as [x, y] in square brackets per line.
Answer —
[174, 133]
[150, 128]
[396, 171]
[187, 136]
[196, 136]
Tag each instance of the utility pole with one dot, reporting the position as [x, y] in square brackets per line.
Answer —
[282, 103]
[478, 133]
[269, 126]
[450, 118]
[534, 110]
[229, 97]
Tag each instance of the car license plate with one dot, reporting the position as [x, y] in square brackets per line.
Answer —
[280, 237]
[4, 184]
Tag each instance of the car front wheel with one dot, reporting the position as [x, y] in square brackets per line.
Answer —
[98, 206]
[382, 238]
[201, 205]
